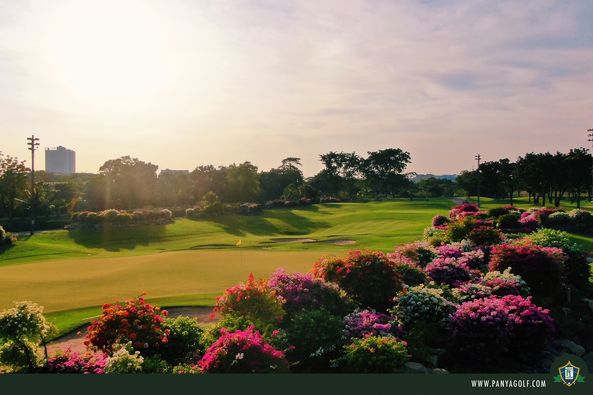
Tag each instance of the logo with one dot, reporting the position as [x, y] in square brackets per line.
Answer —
[569, 375]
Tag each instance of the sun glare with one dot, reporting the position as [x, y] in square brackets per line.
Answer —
[110, 53]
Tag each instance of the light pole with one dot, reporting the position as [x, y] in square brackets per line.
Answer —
[478, 158]
[33, 143]
[590, 139]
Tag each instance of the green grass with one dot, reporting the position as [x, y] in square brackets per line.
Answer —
[191, 261]
[378, 225]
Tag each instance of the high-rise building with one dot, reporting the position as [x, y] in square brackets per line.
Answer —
[60, 160]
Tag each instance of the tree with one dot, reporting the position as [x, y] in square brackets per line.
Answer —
[173, 189]
[130, 182]
[435, 187]
[13, 183]
[578, 172]
[276, 181]
[242, 183]
[383, 169]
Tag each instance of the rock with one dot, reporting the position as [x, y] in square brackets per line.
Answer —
[440, 371]
[588, 358]
[415, 367]
[571, 347]
[589, 302]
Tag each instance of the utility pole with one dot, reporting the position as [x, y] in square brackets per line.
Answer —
[478, 158]
[33, 144]
[590, 139]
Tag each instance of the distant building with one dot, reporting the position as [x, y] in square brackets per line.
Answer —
[60, 160]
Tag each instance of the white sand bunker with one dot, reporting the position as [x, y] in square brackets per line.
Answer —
[337, 242]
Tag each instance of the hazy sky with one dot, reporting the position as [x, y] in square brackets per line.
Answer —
[183, 83]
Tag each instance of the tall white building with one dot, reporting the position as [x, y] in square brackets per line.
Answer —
[60, 160]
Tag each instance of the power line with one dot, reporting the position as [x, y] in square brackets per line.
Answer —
[590, 135]
[33, 143]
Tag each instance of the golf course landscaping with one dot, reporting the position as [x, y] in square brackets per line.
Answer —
[187, 263]
[190, 262]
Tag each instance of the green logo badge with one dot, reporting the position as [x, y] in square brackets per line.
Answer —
[569, 375]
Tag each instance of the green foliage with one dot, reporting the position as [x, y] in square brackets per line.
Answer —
[316, 337]
[508, 221]
[374, 354]
[184, 342]
[547, 237]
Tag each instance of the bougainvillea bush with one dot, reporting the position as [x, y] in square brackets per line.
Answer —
[449, 271]
[363, 323]
[369, 277]
[254, 300]
[69, 361]
[499, 332]
[134, 321]
[242, 352]
[540, 267]
[304, 291]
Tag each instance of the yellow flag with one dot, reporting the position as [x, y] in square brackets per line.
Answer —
[239, 243]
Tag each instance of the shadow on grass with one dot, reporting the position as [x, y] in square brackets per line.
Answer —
[115, 239]
[286, 222]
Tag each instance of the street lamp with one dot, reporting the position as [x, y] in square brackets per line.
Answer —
[478, 157]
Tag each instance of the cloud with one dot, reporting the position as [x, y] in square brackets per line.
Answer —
[259, 80]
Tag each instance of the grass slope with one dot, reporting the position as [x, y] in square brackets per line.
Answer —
[377, 225]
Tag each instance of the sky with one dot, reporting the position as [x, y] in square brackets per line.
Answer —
[184, 83]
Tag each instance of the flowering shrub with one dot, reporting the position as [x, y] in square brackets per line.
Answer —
[474, 260]
[242, 352]
[6, 238]
[22, 328]
[254, 300]
[303, 291]
[455, 250]
[558, 218]
[528, 222]
[123, 218]
[485, 235]
[133, 321]
[581, 218]
[421, 305]
[68, 361]
[421, 253]
[375, 354]
[505, 283]
[411, 274]
[124, 361]
[363, 323]
[315, 337]
[521, 331]
[185, 340]
[471, 291]
[440, 221]
[543, 213]
[368, 277]
[540, 267]
[463, 210]
[450, 271]
[460, 229]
